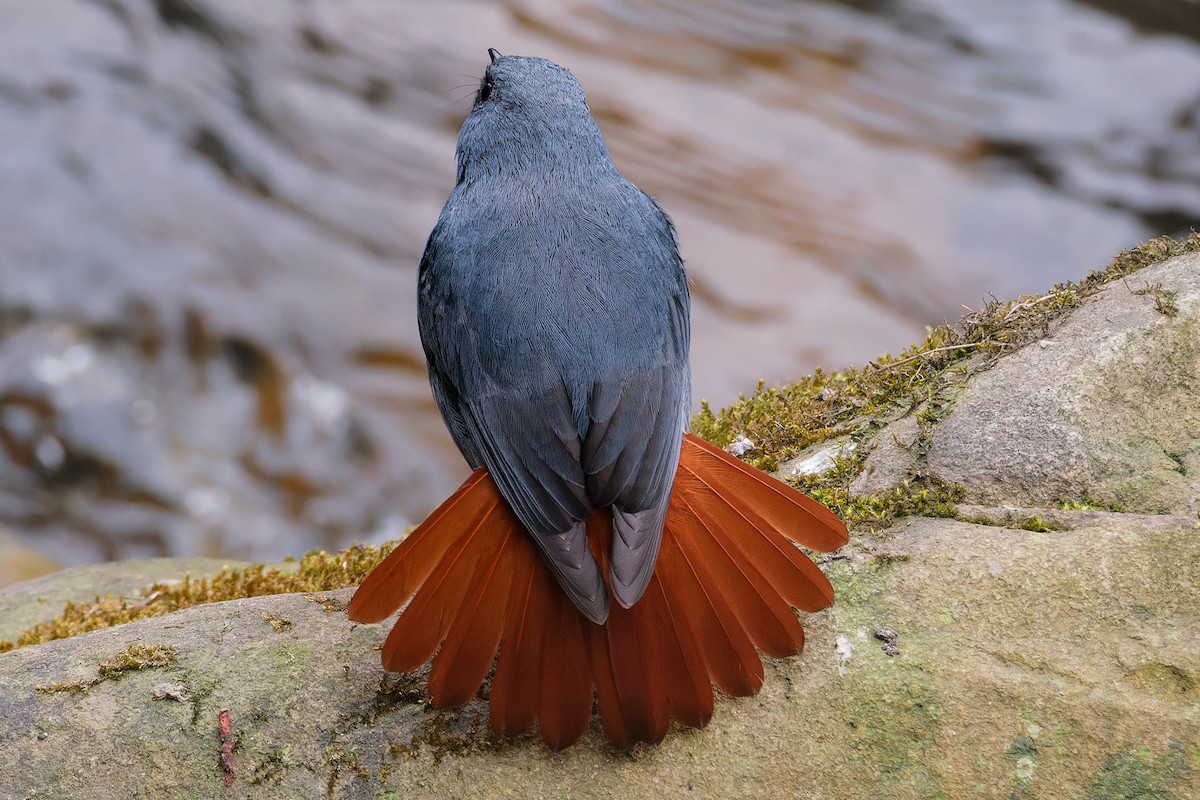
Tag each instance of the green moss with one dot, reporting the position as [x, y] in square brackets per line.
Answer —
[448, 732]
[278, 624]
[921, 495]
[1032, 522]
[317, 571]
[66, 687]
[1164, 299]
[138, 657]
[1088, 504]
[1137, 776]
[131, 659]
[445, 738]
[342, 761]
[926, 496]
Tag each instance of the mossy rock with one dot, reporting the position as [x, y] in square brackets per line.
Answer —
[1031, 664]
[1106, 405]
[25, 604]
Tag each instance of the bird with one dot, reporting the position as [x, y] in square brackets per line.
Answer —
[600, 557]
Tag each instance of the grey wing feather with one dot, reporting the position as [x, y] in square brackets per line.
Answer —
[637, 478]
[536, 473]
[632, 448]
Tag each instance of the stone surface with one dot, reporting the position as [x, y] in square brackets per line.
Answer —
[206, 346]
[1031, 665]
[1105, 408]
[28, 602]
[891, 458]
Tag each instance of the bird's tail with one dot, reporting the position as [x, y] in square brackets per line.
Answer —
[727, 578]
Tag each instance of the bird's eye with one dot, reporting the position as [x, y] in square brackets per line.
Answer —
[485, 89]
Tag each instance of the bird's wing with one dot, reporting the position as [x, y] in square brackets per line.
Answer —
[530, 446]
[637, 417]
[508, 409]
[566, 375]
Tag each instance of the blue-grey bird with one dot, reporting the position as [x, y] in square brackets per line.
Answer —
[553, 309]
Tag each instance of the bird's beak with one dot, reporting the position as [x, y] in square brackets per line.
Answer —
[493, 53]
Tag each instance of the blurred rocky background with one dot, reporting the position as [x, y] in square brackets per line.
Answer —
[211, 213]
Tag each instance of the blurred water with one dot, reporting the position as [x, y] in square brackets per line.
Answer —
[844, 174]
[214, 211]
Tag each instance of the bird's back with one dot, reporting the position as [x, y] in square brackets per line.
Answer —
[555, 320]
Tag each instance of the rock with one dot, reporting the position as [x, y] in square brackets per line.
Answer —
[1039, 665]
[891, 458]
[1106, 408]
[26, 603]
[206, 340]
[816, 459]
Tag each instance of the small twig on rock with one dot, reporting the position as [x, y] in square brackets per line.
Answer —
[1029, 304]
[963, 346]
[153, 596]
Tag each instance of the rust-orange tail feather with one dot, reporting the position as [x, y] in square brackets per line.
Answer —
[727, 578]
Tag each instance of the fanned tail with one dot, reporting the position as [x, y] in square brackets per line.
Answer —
[393, 583]
[454, 568]
[727, 578]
